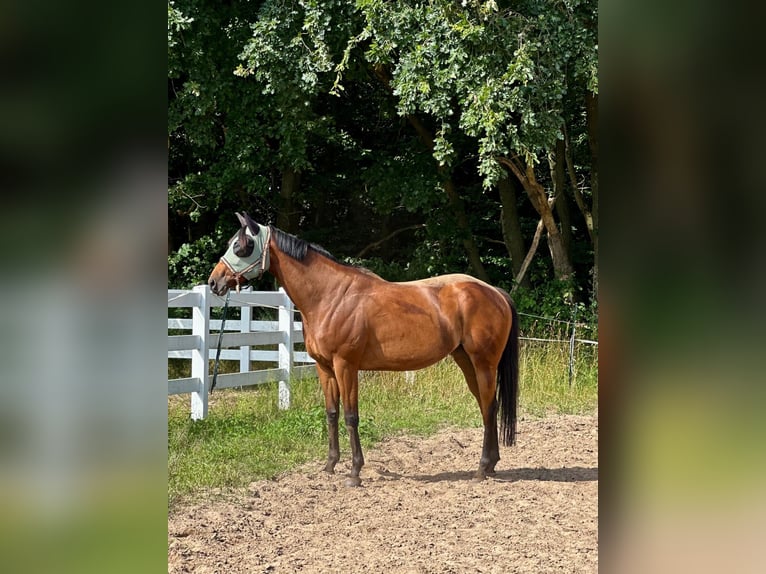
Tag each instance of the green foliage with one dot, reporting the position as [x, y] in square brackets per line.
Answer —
[191, 265]
[497, 75]
[403, 178]
[324, 89]
[177, 23]
[553, 299]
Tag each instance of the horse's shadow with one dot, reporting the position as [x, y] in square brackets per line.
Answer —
[564, 474]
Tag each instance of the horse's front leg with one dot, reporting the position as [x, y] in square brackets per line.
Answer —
[348, 383]
[331, 399]
[357, 458]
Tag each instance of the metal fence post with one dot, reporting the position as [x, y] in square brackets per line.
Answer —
[199, 359]
[571, 347]
[286, 312]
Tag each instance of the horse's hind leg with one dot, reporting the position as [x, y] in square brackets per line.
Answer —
[481, 384]
[490, 452]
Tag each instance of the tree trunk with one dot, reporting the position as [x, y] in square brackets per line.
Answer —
[471, 249]
[520, 276]
[558, 176]
[562, 266]
[291, 181]
[591, 110]
[579, 199]
[509, 221]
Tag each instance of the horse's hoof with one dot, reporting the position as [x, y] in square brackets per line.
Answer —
[329, 469]
[479, 476]
[353, 481]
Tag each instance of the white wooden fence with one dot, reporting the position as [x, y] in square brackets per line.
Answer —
[200, 346]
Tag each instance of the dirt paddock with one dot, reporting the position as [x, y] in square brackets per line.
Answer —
[418, 511]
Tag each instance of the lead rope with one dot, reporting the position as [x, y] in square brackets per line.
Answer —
[220, 337]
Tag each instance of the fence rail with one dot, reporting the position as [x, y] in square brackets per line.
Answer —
[243, 333]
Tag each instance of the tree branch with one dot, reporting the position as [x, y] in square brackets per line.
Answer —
[391, 235]
[490, 240]
[530, 254]
[514, 167]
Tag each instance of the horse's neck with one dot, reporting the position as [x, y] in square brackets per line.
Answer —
[313, 283]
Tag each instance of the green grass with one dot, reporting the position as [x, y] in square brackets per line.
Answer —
[246, 437]
[545, 386]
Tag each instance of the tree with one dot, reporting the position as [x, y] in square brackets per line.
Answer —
[404, 132]
[456, 65]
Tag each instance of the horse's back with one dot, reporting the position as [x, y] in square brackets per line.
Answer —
[468, 290]
[442, 280]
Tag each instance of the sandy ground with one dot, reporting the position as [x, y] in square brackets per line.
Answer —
[418, 511]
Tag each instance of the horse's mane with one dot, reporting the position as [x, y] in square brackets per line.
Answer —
[297, 248]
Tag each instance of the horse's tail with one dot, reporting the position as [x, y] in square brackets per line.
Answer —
[508, 380]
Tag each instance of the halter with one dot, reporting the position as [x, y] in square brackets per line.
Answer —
[252, 266]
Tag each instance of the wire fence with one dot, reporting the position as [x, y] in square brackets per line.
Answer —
[570, 328]
[563, 332]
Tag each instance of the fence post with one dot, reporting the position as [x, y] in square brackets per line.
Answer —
[571, 347]
[286, 313]
[199, 360]
[244, 322]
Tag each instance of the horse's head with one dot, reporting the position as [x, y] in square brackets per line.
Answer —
[246, 258]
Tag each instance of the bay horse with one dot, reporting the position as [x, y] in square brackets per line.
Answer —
[354, 320]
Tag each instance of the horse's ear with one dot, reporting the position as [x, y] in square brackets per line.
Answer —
[252, 225]
[243, 244]
[242, 220]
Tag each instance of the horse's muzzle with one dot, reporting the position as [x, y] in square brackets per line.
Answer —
[216, 288]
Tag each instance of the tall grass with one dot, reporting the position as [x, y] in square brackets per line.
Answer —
[246, 437]
[545, 380]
